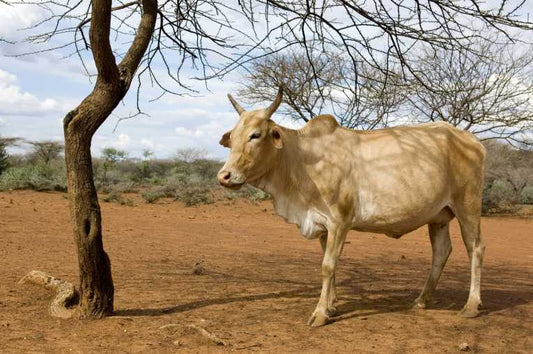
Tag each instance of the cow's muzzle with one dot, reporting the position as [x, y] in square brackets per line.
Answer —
[229, 180]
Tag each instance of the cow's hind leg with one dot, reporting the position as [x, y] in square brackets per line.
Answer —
[334, 245]
[470, 231]
[441, 245]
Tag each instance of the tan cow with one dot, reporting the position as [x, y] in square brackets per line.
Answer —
[328, 180]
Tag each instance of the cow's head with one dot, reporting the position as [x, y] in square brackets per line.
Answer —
[255, 142]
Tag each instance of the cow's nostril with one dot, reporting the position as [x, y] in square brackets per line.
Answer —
[227, 176]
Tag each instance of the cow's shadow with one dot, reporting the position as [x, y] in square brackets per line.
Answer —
[509, 289]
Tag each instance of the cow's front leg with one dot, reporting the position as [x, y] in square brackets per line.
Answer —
[323, 244]
[334, 243]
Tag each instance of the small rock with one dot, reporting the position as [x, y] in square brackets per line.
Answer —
[177, 343]
[198, 269]
[464, 347]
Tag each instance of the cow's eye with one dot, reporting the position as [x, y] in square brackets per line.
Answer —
[255, 136]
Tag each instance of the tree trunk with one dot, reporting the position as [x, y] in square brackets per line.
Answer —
[96, 284]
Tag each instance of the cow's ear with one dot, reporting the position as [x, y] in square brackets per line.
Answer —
[225, 140]
[277, 137]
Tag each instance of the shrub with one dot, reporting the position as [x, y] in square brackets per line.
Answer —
[4, 157]
[248, 192]
[117, 197]
[194, 195]
[526, 197]
[113, 196]
[125, 187]
[40, 177]
[152, 195]
[498, 196]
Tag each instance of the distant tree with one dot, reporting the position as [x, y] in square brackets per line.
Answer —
[487, 89]
[46, 151]
[147, 154]
[4, 157]
[190, 155]
[111, 156]
[145, 167]
[514, 166]
[325, 87]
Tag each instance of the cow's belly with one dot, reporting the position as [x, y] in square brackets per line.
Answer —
[394, 218]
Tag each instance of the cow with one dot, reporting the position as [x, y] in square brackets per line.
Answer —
[328, 180]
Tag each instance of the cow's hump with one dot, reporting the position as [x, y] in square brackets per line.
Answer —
[320, 125]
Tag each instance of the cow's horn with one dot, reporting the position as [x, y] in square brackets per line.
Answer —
[272, 108]
[237, 106]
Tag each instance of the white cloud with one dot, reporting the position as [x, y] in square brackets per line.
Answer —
[123, 140]
[13, 18]
[147, 142]
[13, 101]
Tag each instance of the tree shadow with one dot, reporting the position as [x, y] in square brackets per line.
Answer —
[310, 292]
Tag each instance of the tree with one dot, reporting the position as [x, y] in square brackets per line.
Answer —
[487, 89]
[46, 151]
[201, 30]
[326, 89]
[189, 155]
[513, 166]
[4, 155]
[111, 156]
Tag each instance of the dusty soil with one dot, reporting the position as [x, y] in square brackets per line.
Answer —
[261, 282]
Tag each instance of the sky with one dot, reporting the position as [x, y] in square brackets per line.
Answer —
[36, 92]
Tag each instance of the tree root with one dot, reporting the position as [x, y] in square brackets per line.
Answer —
[200, 330]
[212, 337]
[67, 297]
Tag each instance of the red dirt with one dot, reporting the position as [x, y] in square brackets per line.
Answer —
[262, 282]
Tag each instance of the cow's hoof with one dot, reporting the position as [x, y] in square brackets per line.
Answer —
[331, 311]
[469, 312]
[418, 305]
[318, 319]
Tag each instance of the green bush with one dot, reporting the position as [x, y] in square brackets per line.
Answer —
[526, 197]
[194, 195]
[4, 157]
[40, 177]
[498, 196]
[117, 197]
[152, 195]
[247, 192]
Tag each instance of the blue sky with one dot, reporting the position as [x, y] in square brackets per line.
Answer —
[36, 92]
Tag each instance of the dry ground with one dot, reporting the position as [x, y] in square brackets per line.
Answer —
[261, 284]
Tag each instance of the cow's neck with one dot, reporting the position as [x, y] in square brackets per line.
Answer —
[284, 179]
[287, 183]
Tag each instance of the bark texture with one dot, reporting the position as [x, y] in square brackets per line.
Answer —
[96, 283]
